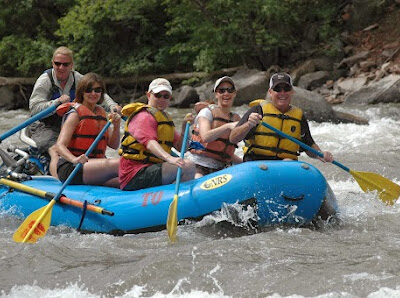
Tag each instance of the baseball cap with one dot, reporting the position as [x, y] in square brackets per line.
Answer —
[223, 79]
[160, 84]
[280, 78]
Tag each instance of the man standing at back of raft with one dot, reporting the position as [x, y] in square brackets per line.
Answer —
[150, 133]
[55, 86]
[261, 142]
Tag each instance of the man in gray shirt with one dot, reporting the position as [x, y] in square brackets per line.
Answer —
[55, 86]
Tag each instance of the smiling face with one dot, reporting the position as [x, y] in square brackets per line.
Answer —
[62, 65]
[225, 94]
[281, 97]
[92, 94]
[159, 100]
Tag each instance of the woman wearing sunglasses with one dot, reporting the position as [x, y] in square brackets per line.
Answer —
[149, 136]
[56, 85]
[83, 120]
[212, 127]
[262, 143]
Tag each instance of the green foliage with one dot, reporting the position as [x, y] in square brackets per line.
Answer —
[27, 34]
[131, 39]
[136, 37]
[24, 56]
[232, 32]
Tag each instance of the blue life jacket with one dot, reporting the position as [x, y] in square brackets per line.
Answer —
[55, 120]
[55, 91]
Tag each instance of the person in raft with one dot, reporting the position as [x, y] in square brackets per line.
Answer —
[83, 119]
[149, 135]
[212, 127]
[263, 144]
[56, 85]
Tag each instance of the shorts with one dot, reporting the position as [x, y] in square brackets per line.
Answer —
[147, 177]
[65, 168]
[204, 170]
[44, 136]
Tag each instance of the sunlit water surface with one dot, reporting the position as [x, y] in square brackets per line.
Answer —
[358, 258]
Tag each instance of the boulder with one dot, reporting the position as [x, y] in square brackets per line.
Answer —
[314, 105]
[7, 98]
[311, 65]
[251, 84]
[314, 79]
[205, 91]
[184, 97]
[350, 61]
[385, 90]
[351, 84]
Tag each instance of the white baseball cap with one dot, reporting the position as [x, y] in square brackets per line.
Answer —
[160, 84]
[223, 79]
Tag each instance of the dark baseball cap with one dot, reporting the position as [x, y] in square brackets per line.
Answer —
[280, 78]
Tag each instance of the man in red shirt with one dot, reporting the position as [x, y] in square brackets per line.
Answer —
[150, 134]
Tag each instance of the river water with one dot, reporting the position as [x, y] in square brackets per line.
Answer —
[357, 258]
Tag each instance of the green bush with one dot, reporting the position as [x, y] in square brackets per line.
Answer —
[136, 37]
[24, 56]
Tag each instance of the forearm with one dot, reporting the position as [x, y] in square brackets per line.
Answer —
[214, 133]
[239, 133]
[311, 154]
[63, 151]
[115, 138]
[155, 148]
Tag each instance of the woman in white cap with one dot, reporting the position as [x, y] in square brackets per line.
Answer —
[150, 134]
[212, 128]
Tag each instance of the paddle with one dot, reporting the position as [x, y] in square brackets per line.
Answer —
[388, 191]
[172, 220]
[29, 121]
[50, 196]
[37, 223]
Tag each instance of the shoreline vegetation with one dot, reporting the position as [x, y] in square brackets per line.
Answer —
[343, 52]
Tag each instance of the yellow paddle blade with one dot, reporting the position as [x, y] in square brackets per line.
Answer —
[35, 225]
[388, 191]
[172, 220]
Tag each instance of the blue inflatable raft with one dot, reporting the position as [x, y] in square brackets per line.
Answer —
[283, 193]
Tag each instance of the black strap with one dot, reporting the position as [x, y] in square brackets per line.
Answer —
[94, 117]
[273, 149]
[281, 116]
[83, 215]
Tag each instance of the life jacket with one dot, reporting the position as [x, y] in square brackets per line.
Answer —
[266, 143]
[54, 92]
[132, 149]
[220, 149]
[89, 126]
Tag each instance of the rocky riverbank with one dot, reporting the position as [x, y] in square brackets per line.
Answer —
[367, 73]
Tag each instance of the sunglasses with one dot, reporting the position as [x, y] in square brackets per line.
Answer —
[96, 90]
[65, 64]
[165, 95]
[222, 90]
[285, 88]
